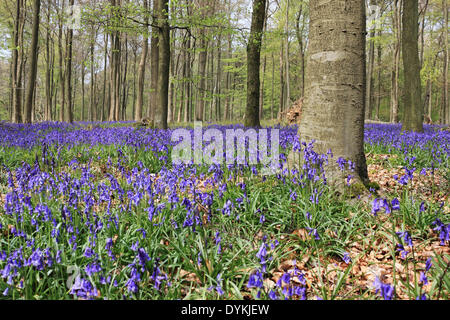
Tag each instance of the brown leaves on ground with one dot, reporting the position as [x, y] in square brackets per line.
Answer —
[369, 261]
[429, 187]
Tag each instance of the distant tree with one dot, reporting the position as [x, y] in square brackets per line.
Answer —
[69, 42]
[141, 69]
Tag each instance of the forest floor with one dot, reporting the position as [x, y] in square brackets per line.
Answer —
[100, 212]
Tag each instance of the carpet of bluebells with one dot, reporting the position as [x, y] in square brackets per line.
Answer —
[100, 212]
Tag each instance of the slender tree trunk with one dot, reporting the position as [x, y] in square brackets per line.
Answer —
[105, 102]
[48, 71]
[33, 61]
[154, 61]
[261, 89]
[253, 64]
[299, 32]
[83, 105]
[396, 61]
[61, 58]
[445, 105]
[333, 108]
[422, 29]
[16, 72]
[371, 61]
[141, 73]
[282, 84]
[413, 111]
[286, 43]
[69, 42]
[218, 85]
[92, 84]
[272, 105]
[188, 85]
[202, 56]
[378, 100]
[228, 81]
[121, 112]
[115, 68]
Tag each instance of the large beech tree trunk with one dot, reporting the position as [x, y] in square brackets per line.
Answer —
[333, 109]
[33, 62]
[253, 63]
[413, 108]
[162, 101]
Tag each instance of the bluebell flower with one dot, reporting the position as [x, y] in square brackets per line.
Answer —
[273, 295]
[314, 233]
[255, 280]
[346, 258]
[385, 290]
[423, 278]
[406, 237]
[428, 265]
[395, 204]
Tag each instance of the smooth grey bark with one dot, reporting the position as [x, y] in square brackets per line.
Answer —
[33, 62]
[253, 64]
[413, 108]
[333, 108]
[161, 110]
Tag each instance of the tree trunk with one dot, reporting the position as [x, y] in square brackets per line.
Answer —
[261, 89]
[445, 105]
[272, 105]
[16, 72]
[228, 80]
[413, 108]
[154, 62]
[61, 58]
[396, 66]
[299, 33]
[141, 73]
[33, 61]
[48, 71]
[83, 105]
[287, 65]
[69, 42]
[371, 61]
[253, 64]
[378, 100]
[121, 112]
[105, 102]
[161, 110]
[92, 86]
[333, 108]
